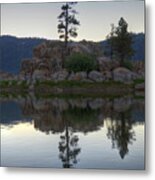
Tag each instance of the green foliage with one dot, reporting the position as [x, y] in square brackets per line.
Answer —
[123, 41]
[72, 84]
[4, 84]
[127, 64]
[120, 41]
[24, 84]
[80, 62]
[13, 84]
[138, 81]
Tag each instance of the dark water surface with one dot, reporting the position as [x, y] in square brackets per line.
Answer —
[72, 133]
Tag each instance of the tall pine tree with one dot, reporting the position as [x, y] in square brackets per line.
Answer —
[120, 42]
[67, 26]
[123, 41]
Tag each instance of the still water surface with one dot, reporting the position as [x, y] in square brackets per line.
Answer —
[72, 133]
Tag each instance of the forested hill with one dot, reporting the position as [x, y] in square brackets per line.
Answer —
[138, 46]
[13, 50]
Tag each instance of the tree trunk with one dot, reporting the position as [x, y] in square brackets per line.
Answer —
[66, 29]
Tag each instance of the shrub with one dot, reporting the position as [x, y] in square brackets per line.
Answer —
[80, 62]
[4, 84]
[127, 64]
[13, 83]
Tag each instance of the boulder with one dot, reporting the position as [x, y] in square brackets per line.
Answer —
[40, 74]
[60, 75]
[96, 76]
[123, 75]
[106, 64]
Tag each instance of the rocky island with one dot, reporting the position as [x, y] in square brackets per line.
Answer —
[45, 71]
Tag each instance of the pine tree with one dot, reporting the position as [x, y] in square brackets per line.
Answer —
[67, 22]
[122, 41]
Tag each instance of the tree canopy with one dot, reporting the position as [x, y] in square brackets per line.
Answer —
[120, 41]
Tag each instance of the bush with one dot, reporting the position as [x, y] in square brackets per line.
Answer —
[4, 84]
[128, 64]
[80, 62]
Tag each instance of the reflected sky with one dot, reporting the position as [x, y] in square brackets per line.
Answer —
[73, 133]
[40, 19]
[37, 149]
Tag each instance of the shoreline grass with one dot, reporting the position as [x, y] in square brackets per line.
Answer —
[69, 88]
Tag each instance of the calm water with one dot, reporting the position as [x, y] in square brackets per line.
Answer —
[72, 133]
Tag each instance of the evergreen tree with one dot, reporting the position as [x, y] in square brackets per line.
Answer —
[67, 22]
[122, 41]
[119, 42]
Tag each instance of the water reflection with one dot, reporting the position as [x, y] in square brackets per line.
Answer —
[69, 116]
[68, 148]
[121, 133]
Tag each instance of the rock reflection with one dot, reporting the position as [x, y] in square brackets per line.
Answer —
[68, 116]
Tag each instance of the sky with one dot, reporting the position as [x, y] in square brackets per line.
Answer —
[40, 19]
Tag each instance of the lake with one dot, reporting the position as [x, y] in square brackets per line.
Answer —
[100, 133]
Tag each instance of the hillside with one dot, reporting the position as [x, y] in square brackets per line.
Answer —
[13, 50]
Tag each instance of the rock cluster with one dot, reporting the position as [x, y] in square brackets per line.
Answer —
[48, 58]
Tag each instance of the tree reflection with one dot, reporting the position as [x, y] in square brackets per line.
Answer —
[121, 133]
[68, 147]
[86, 115]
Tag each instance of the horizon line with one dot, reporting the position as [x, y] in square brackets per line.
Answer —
[48, 39]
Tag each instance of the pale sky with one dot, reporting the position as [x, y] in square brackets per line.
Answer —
[40, 19]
